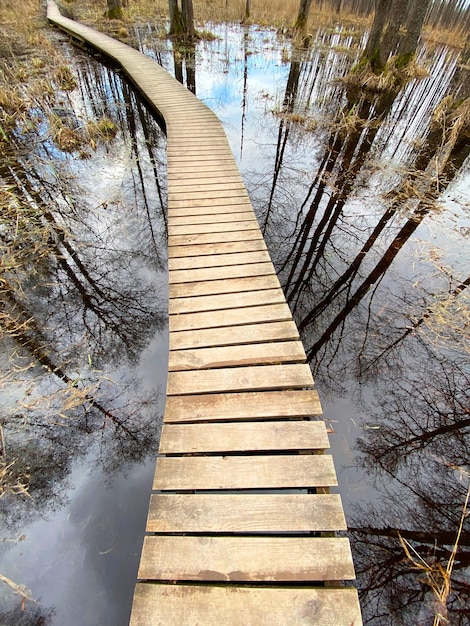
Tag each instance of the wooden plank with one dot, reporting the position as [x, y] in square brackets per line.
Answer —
[233, 335]
[215, 227]
[247, 513]
[208, 156]
[201, 181]
[210, 219]
[282, 471]
[225, 301]
[198, 132]
[219, 184]
[256, 378]
[230, 317]
[231, 247]
[199, 147]
[229, 285]
[183, 240]
[247, 559]
[243, 406]
[232, 356]
[180, 171]
[200, 139]
[214, 260]
[214, 210]
[218, 273]
[204, 201]
[239, 193]
[243, 437]
[187, 605]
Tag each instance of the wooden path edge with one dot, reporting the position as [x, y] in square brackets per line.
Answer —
[242, 528]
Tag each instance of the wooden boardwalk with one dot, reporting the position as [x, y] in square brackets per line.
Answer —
[241, 524]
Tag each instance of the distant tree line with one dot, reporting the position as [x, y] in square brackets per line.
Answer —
[439, 14]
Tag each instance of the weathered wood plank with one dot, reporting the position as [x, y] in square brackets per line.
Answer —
[256, 378]
[208, 188]
[199, 153]
[209, 194]
[235, 559]
[218, 273]
[243, 437]
[201, 181]
[243, 406]
[248, 513]
[183, 240]
[180, 171]
[226, 286]
[187, 605]
[215, 227]
[234, 335]
[231, 317]
[242, 258]
[231, 247]
[218, 218]
[204, 201]
[232, 356]
[214, 210]
[244, 472]
[225, 301]
[199, 139]
[208, 157]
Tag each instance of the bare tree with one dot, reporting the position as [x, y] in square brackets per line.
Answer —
[302, 18]
[182, 19]
[247, 11]
[385, 38]
[114, 11]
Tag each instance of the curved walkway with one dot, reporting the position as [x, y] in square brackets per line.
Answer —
[241, 525]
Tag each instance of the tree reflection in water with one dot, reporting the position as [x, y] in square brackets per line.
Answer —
[83, 301]
[382, 322]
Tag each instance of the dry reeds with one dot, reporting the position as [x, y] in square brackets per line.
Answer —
[280, 14]
[436, 575]
[10, 481]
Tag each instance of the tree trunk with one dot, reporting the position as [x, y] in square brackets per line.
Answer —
[302, 17]
[414, 24]
[247, 11]
[391, 38]
[182, 19]
[187, 12]
[114, 11]
[176, 20]
[373, 52]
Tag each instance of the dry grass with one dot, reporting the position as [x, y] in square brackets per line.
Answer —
[277, 13]
[19, 589]
[64, 78]
[437, 575]
[104, 129]
[10, 482]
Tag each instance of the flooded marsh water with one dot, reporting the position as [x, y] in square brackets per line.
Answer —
[366, 219]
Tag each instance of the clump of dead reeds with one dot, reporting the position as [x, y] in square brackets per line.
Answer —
[435, 574]
[104, 129]
[11, 482]
[64, 78]
[65, 137]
